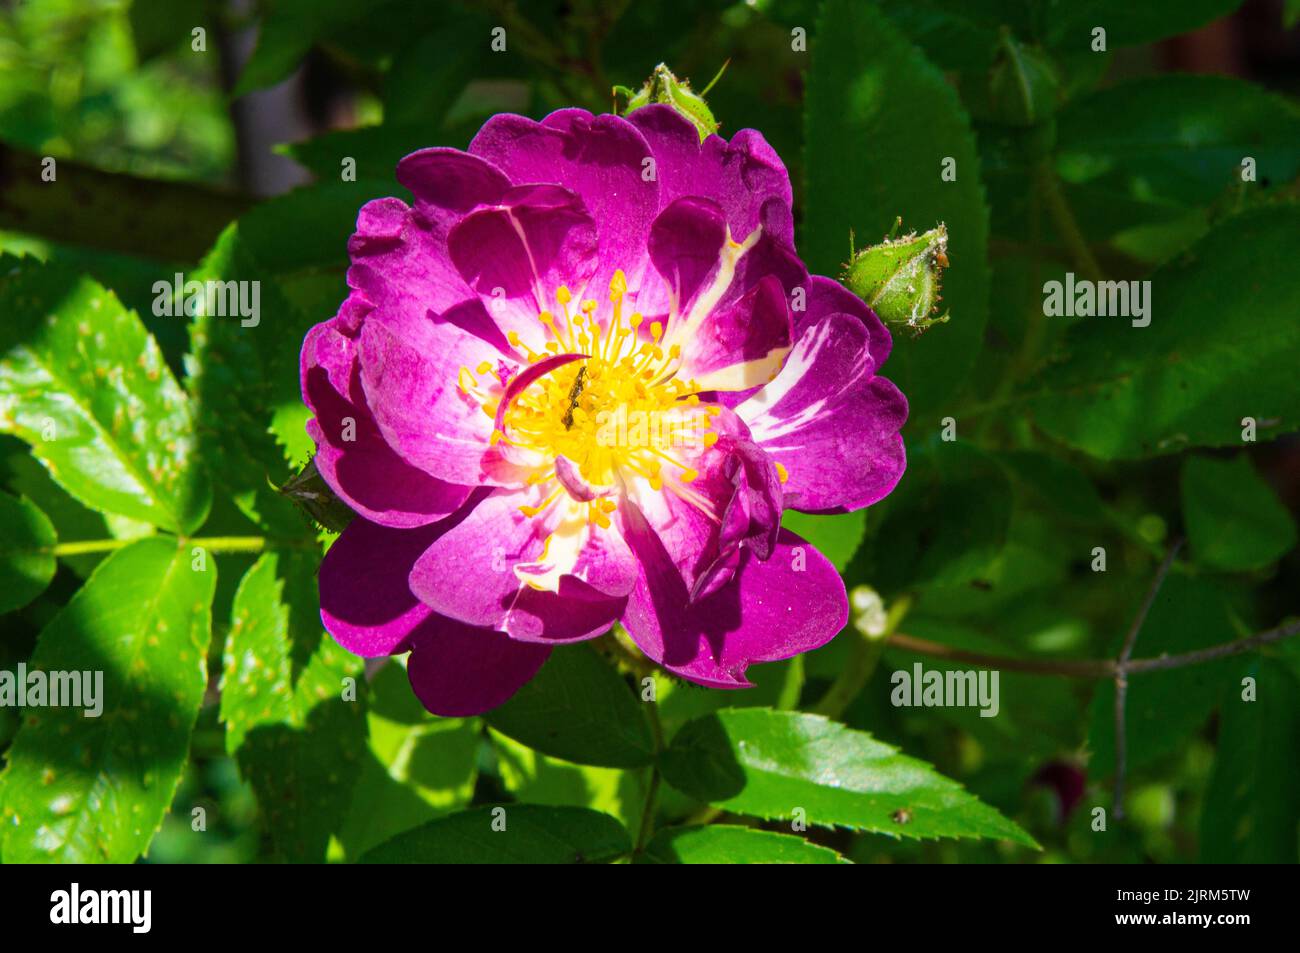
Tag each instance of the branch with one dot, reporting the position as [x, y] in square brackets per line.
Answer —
[170, 221]
[1091, 668]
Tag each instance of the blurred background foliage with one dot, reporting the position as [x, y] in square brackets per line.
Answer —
[1124, 161]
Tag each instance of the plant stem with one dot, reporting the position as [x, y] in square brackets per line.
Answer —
[624, 650]
[647, 827]
[864, 653]
[214, 544]
[1049, 187]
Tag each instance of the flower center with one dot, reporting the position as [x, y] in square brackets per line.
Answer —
[616, 413]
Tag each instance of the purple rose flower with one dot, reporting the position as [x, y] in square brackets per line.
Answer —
[576, 383]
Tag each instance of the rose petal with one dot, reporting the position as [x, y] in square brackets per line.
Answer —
[366, 603]
[457, 670]
[364, 471]
[740, 176]
[831, 424]
[791, 603]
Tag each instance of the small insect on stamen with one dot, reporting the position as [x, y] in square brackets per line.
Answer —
[574, 393]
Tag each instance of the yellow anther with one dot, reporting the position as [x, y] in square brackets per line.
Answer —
[635, 320]
[656, 330]
[497, 437]
[617, 285]
[466, 381]
[484, 367]
[563, 295]
[688, 476]
[782, 473]
[589, 305]
[711, 438]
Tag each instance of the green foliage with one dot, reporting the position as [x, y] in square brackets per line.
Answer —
[1128, 24]
[1178, 139]
[297, 732]
[578, 709]
[729, 844]
[85, 384]
[947, 523]
[417, 767]
[787, 765]
[523, 834]
[1051, 461]
[1234, 519]
[1226, 349]
[880, 124]
[1165, 708]
[1251, 813]
[143, 620]
[27, 563]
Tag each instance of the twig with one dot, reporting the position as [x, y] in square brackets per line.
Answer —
[1121, 674]
[1067, 668]
[1091, 668]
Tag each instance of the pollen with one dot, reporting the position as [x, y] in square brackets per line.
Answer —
[620, 413]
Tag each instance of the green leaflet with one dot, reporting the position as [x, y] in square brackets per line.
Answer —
[1179, 138]
[509, 834]
[1234, 519]
[837, 537]
[85, 384]
[291, 701]
[772, 764]
[79, 789]
[536, 778]
[946, 522]
[418, 767]
[1070, 24]
[1251, 814]
[26, 562]
[579, 709]
[880, 122]
[730, 844]
[1222, 346]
